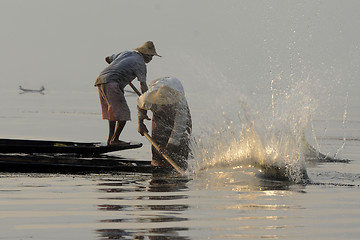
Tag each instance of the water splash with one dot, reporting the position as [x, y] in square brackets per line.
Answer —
[343, 124]
[272, 141]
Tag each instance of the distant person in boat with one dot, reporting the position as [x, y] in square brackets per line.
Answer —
[171, 121]
[123, 68]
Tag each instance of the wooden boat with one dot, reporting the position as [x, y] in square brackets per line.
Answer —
[24, 90]
[70, 164]
[40, 156]
[43, 146]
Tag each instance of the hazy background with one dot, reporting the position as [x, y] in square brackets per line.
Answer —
[222, 51]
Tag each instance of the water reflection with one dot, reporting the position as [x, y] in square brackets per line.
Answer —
[154, 234]
[235, 203]
[145, 208]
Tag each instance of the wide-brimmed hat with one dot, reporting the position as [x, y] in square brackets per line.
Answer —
[148, 48]
[165, 90]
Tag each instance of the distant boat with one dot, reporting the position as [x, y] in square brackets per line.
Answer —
[24, 90]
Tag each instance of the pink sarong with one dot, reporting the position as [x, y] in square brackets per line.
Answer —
[113, 103]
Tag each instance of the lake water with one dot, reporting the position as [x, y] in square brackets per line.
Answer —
[263, 80]
[228, 199]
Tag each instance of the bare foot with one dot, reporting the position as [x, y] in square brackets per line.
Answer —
[119, 143]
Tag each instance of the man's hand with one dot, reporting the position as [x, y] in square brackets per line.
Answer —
[142, 114]
[146, 117]
[142, 128]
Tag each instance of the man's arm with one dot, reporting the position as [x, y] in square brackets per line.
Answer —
[141, 116]
[143, 87]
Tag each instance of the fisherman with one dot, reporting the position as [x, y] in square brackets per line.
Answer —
[171, 122]
[123, 68]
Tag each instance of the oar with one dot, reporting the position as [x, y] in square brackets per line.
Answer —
[156, 146]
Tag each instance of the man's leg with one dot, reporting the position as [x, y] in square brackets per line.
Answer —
[117, 109]
[119, 127]
[111, 131]
[116, 134]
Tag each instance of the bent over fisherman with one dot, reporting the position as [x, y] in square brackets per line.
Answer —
[171, 122]
[123, 68]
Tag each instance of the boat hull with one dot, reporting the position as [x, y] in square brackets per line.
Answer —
[43, 146]
[69, 164]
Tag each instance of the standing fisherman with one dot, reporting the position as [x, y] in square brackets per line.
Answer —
[123, 68]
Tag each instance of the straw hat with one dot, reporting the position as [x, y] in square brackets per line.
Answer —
[165, 90]
[148, 48]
